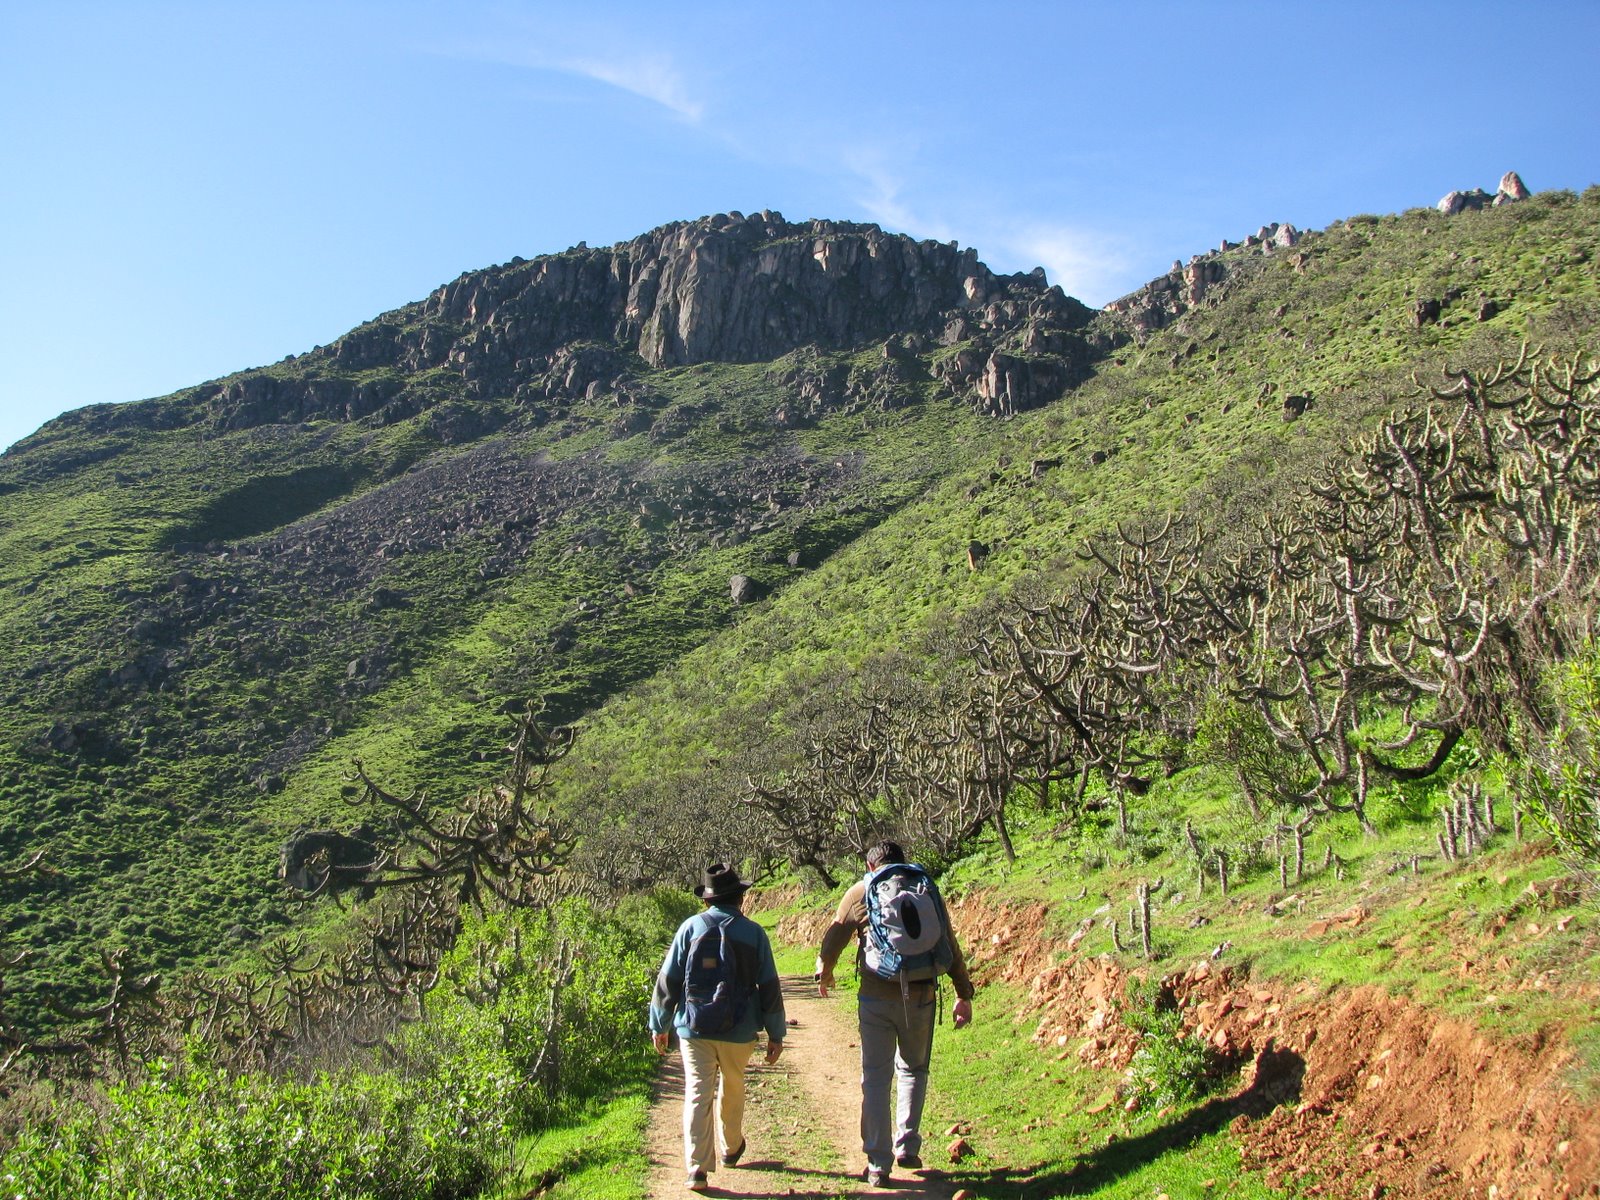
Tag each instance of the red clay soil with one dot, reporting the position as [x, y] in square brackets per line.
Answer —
[1352, 1095]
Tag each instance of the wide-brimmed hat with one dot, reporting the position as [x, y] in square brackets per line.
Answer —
[721, 882]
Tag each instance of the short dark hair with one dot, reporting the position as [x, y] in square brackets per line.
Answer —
[884, 852]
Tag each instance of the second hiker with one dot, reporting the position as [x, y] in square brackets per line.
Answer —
[904, 943]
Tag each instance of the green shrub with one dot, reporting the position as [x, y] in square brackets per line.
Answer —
[198, 1135]
[496, 1021]
[1560, 776]
[524, 1026]
[1168, 1067]
[1235, 737]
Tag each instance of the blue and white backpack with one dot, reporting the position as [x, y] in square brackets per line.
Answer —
[908, 931]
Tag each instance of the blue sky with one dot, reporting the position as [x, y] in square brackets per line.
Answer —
[191, 189]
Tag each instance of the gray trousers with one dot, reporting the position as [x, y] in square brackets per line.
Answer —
[896, 1043]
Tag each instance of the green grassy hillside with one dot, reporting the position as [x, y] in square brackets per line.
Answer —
[1192, 421]
[514, 492]
[217, 604]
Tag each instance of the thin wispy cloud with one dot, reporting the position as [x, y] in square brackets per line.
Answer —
[880, 189]
[887, 179]
[1092, 266]
[653, 77]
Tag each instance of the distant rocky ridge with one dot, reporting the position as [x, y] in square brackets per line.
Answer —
[1166, 298]
[530, 337]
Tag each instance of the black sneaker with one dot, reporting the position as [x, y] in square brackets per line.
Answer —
[876, 1177]
[697, 1182]
[909, 1162]
[732, 1157]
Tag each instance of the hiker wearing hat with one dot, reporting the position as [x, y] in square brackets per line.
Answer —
[904, 944]
[717, 987]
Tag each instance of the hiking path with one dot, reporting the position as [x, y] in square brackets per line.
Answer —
[802, 1116]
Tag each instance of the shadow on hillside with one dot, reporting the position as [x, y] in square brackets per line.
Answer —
[1277, 1081]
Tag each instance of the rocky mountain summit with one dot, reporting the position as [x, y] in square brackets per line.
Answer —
[532, 336]
[527, 339]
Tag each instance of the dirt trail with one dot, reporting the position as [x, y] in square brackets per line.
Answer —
[801, 1116]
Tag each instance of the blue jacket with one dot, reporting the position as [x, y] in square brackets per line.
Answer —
[765, 1010]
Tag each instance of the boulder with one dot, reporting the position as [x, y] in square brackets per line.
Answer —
[314, 858]
[631, 421]
[1455, 202]
[744, 590]
[384, 598]
[1010, 383]
[1511, 189]
[63, 738]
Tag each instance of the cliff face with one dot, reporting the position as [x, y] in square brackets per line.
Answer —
[731, 288]
[726, 288]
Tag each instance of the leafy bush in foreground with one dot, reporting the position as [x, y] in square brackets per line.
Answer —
[197, 1133]
[520, 1029]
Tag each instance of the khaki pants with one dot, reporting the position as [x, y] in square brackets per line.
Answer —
[704, 1060]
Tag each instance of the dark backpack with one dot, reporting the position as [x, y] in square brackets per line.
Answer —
[718, 980]
[908, 931]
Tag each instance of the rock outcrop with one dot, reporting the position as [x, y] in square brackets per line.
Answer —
[1511, 190]
[1167, 297]
[316, 858]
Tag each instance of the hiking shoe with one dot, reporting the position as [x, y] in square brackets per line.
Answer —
[909, 1162]
[876, 1177]
[731, 1158]
[697, 1182]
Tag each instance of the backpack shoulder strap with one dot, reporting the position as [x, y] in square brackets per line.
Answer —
[704, 924]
